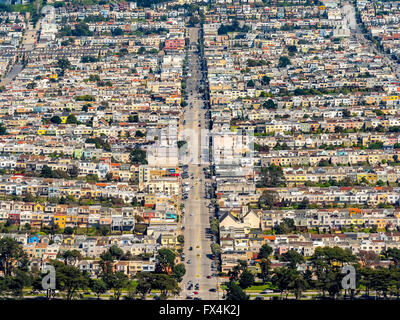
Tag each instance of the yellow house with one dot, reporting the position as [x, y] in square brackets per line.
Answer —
[370, 177]
[38, 207]
[60, 220]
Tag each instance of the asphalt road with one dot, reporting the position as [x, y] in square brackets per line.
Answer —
[349, 17]
[28, 44]
[196, 220]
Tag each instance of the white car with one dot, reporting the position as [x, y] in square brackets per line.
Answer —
[267, 291]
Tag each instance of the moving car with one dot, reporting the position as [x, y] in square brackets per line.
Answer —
[267, 291]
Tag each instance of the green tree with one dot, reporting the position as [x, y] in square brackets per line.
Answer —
[282, 279]
[268, 199]
[165, 260]
[116, 281]
[293, 257]
[180, 239]
[71, 119]
[179, 271]
[215, 249]
[272, 176]
[69, 279]
[138, 156]
[286, 226]
[144, 283]
[235, 292]
[55, 119]
[71, 257]
[283, 62]
[265, 251]
[246, 279]
[12, 256]
[270, 104]
[265, 265]
[98, 287]
[214, 226]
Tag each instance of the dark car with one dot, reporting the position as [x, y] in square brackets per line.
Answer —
[213, 290]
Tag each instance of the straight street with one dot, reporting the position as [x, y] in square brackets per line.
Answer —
[196, 221]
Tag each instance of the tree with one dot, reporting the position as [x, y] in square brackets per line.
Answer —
[144, 283]
[235, 292]
[270, 104]
[31, 85]
[117, 32]
[214, 226]
[394, 255]
[215, 249]
[68, 230]
[133, 118]
[71, 119]
[179, 271]
[304, 203]
[113, 253]
[29, 197]
[55, 119]
[326, 263]
[293, 257]
[272, 176]
[71, 256]
[269, 198]
[3, 130]
[282, 278]
[298, 285]
[12, 256]
[104, 230]
[266, 80]
[246, 279]
[346, 113]
[166, 284]
[14, 285]
[181, 239]
[165, 260]
[139, 134]
[265, 251]
[115, 281]
[193, 20]
[250, 84]
[368, 258]
[138, 156]
[63, 64]
[265, 265]
[286, 226]
[69, 279]
[283, 62]
[98, 287]
[292, 49]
